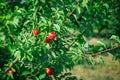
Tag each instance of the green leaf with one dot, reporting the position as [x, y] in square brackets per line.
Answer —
[18, 54]
[102, 58]
[101, 43]
[2, 36]
[11, 76]
[79, 10]
[114, 37]
[75, 17]
[42, 76]
[26, 72]
[15, 21]
[106, 5]
[43, 19]
[29, 57]
[27, 22]
[56, 27]
[43, 1]
[84, 3]
[92, 60]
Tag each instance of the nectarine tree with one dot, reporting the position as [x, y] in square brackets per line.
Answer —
[39, 39]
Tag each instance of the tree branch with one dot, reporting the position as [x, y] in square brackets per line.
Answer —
[107, 50]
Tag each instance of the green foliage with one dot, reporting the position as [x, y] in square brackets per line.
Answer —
[73, 21]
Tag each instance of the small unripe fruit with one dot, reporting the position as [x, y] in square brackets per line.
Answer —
[49, 71]
[36, 32]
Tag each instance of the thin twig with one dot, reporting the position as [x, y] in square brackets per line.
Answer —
[69, 14]
[69, 46]
[13, 63]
